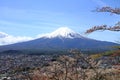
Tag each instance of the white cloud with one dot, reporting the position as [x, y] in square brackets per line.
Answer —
[2, 35]
[9, 39]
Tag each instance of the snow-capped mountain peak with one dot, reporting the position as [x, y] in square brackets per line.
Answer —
[63, 32]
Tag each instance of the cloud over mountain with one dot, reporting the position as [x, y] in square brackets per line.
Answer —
[9, 39]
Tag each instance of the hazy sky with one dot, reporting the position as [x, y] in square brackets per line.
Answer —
[33, 17]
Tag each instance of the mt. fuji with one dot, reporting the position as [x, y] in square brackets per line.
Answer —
[61, 39]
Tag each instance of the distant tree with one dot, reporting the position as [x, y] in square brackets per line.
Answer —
[116, 27]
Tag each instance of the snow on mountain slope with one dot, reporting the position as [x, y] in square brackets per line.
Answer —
[62, 32]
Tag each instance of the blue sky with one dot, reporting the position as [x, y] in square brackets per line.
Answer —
[33, 17]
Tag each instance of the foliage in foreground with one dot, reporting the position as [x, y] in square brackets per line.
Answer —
[68, 67]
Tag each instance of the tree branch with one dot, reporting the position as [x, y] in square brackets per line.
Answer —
[104, 27]
[108, 9]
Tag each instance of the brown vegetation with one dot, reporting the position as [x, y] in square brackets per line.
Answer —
[67, 68]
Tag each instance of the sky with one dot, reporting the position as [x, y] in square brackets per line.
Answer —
[25, 19]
